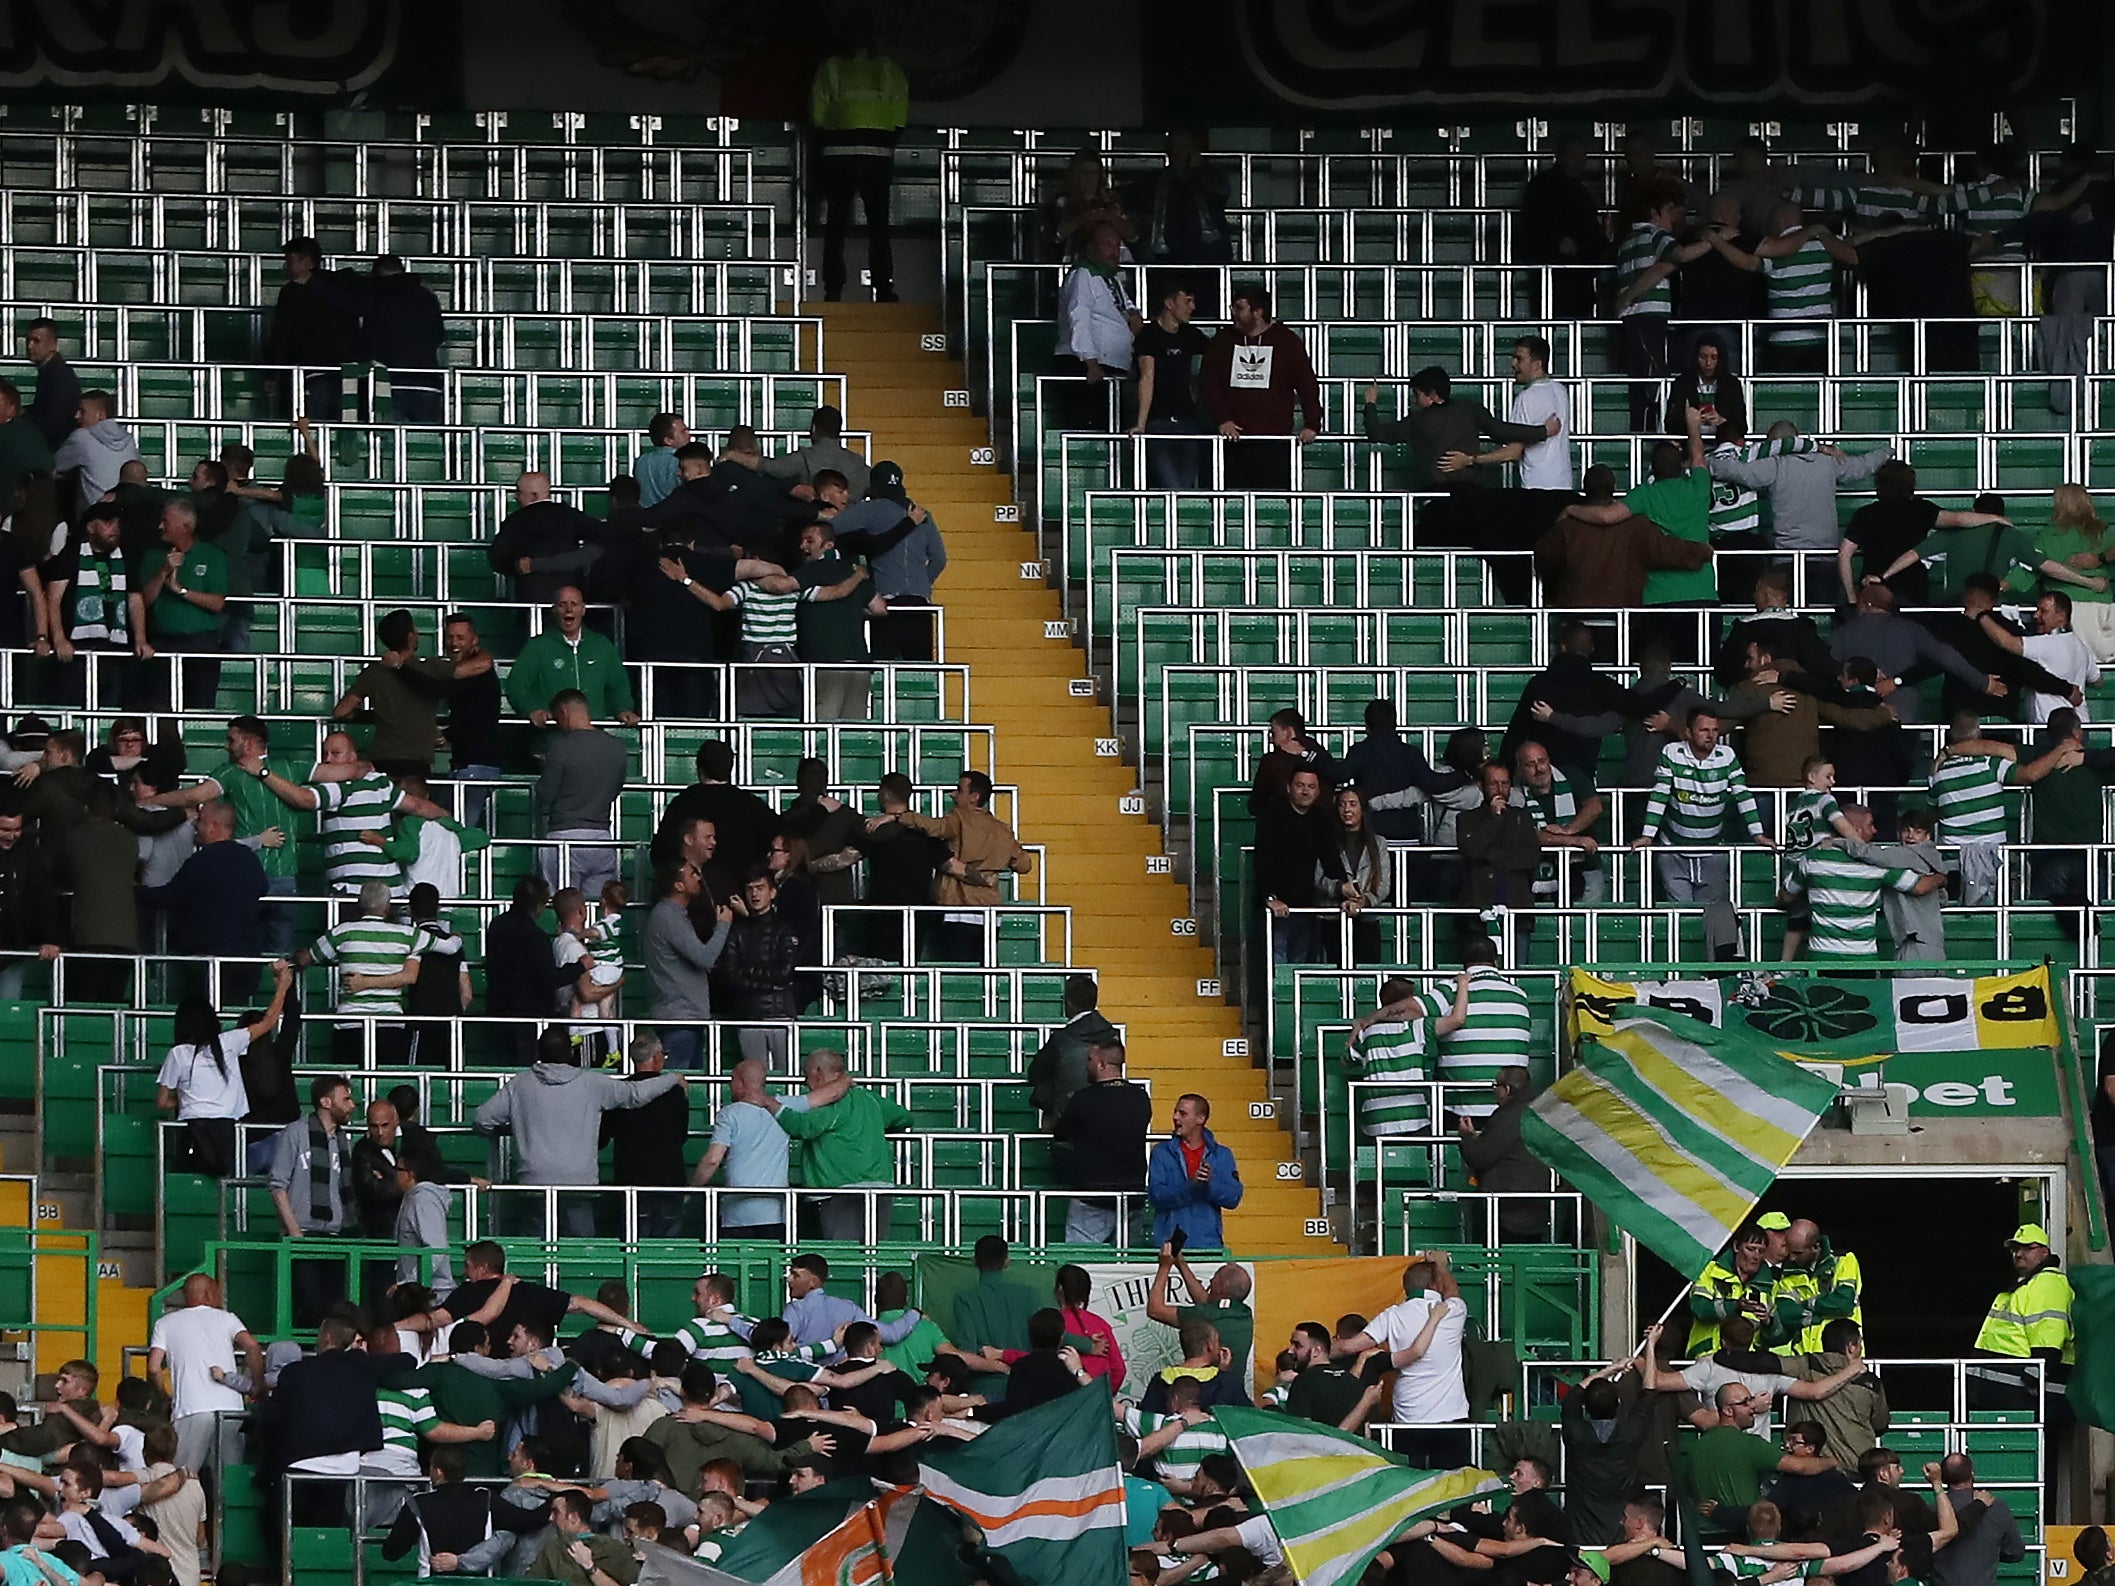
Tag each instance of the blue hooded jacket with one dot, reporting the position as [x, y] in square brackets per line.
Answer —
[1180, 1202]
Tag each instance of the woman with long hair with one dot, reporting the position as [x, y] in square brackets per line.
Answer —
[1436, 874]
[1366, 881]
[2077, 539]
[201, 1078]
[1075, 1286]
[1710, 387]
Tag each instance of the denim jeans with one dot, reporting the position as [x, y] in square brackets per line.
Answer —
[1176, 464]
[279, 917]
[1097, 1222]
[473, 801]
[684, 1044]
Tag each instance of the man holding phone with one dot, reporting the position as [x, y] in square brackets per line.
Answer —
[1191, 1180]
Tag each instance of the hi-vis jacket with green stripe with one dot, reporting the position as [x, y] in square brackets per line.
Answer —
[2034, 1314]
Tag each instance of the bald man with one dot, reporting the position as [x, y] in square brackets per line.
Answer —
[187, 1347]
[545, 544]
[1223, 1302]
[1816, 1285]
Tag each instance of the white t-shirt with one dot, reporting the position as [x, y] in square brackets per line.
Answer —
[1258, 1537]
[1430, 1389]
[79, 1530]
[1707, 1376]
[1546, 465]
[195, 1340]
[117, 1502]
[439, 862]
[2067, 655]
[202, 1090]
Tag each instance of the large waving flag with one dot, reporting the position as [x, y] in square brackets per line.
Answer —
[843, 1534]
[1334, 1498]
[2092, 1385]
[1045, 1489]
[1674, 1128]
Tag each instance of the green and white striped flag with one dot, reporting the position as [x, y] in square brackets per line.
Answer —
[1674, 1128]
[1334, 1498]
[1045, 1489]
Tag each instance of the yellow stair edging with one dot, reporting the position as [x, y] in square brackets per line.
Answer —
[1032, 684]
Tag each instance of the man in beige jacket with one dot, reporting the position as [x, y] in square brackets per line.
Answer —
[980, 845]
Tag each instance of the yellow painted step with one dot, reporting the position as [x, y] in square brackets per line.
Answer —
[1022, 683]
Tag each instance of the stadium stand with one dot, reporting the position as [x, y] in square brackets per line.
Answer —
[565, 775]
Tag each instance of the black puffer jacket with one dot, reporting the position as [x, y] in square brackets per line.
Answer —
[759, 966]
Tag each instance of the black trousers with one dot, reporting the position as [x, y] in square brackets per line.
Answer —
[1645, 361]
[906, 633]
[844, 177]
[1259, 465]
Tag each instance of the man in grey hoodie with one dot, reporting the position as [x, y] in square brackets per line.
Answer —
[422, 1217]
[97, 448]
[1916, 920]
[554, 1110]
[1802, 483]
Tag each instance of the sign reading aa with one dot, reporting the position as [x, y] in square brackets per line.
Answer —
[1839, 1019]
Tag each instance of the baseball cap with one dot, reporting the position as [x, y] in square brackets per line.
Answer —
[1773, 1222]
[1592, 1559]
[2028, 1234]
[885, 482]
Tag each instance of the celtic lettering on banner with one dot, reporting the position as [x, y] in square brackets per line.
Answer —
[319, 49]
[1345, 56]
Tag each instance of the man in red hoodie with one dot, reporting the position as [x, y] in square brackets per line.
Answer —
[1253, 373]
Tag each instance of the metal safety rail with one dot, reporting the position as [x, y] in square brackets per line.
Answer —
[467, 283]
[244, 403]
[40, 1266]
[1950, 462]
[766, 754]
[1447, 167]
[273, 684]
[163, 156]
[1395, 319]
[940, 1178]
[643, 342]
[1993, 423]
[868, 992]
[450, 571]
[259, 222]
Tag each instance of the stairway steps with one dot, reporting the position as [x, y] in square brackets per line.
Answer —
[1022, 684]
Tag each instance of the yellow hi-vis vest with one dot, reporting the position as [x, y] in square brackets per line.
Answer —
[1715, 1294]
[1805, 1287]
[2033, 1314]
[859, 93]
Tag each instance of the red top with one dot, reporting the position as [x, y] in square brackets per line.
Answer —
[1109, 1366]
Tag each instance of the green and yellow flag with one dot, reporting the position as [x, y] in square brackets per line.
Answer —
[1334, 1498]
[1674, 1128]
